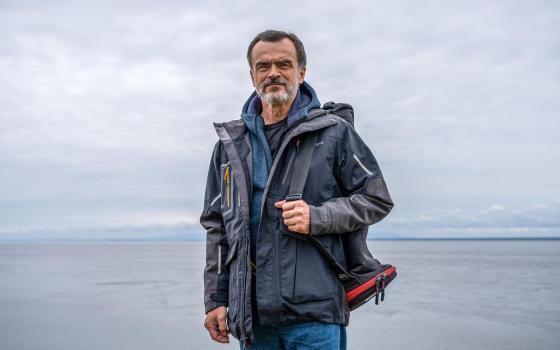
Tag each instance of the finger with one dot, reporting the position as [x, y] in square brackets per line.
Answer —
[221, 339]
[290, 205]
[216, 336]
[279, 204]
[296, 211]
[289, 213]
[293, 221]
[213, 330]
[222, 326]
[209, 324]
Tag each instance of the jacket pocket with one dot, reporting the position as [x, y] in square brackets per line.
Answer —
[227, 191]
[305, 274]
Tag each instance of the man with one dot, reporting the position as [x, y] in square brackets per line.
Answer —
[262, 284]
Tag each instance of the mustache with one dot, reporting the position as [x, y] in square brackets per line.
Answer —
[274, 81]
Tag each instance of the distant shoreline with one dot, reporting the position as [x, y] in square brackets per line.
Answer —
[175, 239]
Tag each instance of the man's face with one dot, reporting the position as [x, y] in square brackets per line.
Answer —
[275, 72]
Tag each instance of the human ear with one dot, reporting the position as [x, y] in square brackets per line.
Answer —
[301, 75]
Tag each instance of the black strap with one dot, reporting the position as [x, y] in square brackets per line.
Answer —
[304, 152]
[302, 163]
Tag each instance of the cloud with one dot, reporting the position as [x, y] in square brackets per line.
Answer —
[497, 220]
[107, 108]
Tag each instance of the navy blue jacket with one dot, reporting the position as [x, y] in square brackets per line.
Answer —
[346, 193]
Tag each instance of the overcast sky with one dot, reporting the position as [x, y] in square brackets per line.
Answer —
[107, 108]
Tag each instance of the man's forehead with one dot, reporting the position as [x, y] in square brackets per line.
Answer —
[267, 50]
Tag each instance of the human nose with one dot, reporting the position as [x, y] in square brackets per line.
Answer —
[273, 73]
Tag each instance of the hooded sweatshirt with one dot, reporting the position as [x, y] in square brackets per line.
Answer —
[305, 100]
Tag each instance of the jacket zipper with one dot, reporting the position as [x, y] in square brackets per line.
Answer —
[241, 297]
[219, 259]
[286, 138]
[242, 266]
[244, 271]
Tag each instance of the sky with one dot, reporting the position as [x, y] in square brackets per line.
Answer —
[107, 109]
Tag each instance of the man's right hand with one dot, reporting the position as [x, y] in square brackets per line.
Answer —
[216, 324]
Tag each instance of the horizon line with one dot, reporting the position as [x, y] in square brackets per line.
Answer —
[180, 239]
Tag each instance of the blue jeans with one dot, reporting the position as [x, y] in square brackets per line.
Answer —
[304, 336]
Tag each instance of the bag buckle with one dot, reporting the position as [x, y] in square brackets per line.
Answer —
[293, 197]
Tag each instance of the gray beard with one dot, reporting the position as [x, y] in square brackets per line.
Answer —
[276, 99]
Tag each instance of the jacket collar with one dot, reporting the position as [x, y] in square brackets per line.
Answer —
[305, 107]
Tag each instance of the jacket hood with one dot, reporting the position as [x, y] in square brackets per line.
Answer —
[305, 101]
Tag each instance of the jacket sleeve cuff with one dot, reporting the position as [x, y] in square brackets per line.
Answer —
[211, 305]
[212, 302]
[320, 220]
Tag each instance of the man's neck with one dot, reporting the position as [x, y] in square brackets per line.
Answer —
[274, 113]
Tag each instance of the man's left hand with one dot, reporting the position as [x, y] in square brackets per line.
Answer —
[296, 215]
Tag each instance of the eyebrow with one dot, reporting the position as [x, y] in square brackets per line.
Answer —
[285, 60]
[262, 63]
[268, 62]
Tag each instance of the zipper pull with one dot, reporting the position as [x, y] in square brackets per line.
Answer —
[226, 180]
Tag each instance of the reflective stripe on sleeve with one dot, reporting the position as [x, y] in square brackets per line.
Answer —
[362, 165]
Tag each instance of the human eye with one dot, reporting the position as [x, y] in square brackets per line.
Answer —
[261, 66]
[285, 64]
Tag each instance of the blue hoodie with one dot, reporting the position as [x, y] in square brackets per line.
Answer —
[305, 101]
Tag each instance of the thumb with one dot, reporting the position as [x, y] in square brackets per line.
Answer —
[279, 204]
[222, 324]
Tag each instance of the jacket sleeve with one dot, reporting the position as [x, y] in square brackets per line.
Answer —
[216, 276]
[365, 199]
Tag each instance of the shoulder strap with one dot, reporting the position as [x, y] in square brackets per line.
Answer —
[299, 178]
[304, 152]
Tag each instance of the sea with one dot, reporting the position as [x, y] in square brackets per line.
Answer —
[469, 294]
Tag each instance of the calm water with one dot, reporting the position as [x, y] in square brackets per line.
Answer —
[123, 295]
